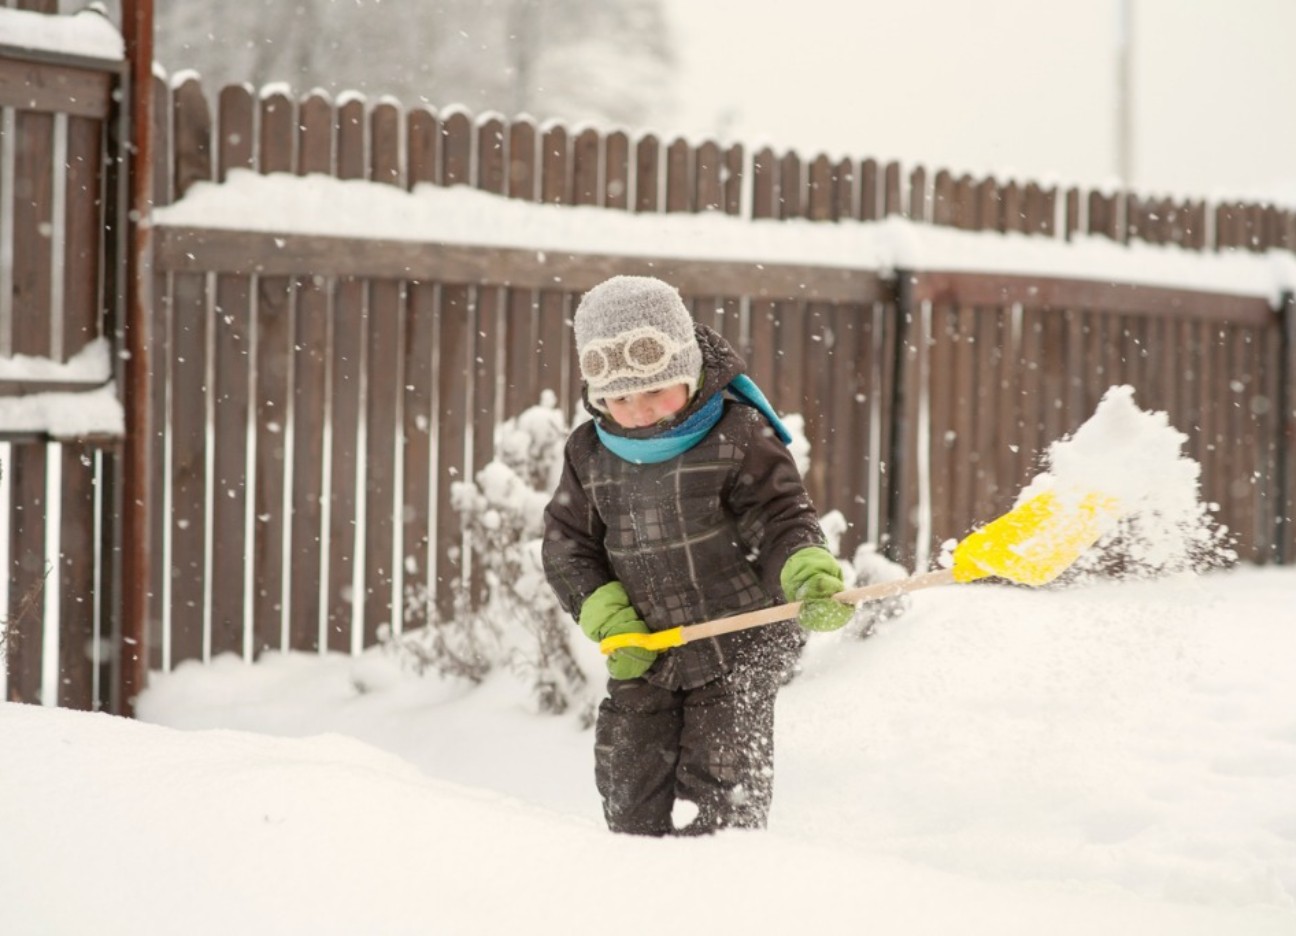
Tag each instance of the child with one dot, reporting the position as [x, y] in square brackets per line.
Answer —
[680, 503]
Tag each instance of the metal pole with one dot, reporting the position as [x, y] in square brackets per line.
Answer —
[137, 501]
[1125, 95]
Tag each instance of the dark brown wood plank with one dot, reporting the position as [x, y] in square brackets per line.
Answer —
[28, 571]
[77, 579]
[708, 164]
[456, 149]
[761, 348]
[349, 302]
[271, 404]
[419, 403]
[311, 351]
[816, 395]
[315, 135]
[384, 390]
[870, 207]
[616, 171]
[963, 450]
[585, 168]
[191, 136]
[55, 88]
[847, 420]
[891, 203]
[647, 174]
[679, 177]
[236, 130]
[734, 180]
[792, 186]
[188, 519]
[1031, 400]
[492, 157]
[455, 372]
[420, 410]
[523, 158]
[33, 228]
[189, 249]
[821, 190]
[1062, 293]
[83, 227]
[232, 370]
[270, 407]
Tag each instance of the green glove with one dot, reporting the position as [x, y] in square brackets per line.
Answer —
[608, 612]
[812, 576]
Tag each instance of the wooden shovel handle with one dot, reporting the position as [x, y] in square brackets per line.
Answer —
[785, 612]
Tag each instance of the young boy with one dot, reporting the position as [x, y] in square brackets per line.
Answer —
[680, 503]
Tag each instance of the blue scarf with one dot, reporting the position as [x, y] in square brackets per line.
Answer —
[690, 432]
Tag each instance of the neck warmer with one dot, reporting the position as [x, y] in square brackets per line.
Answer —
[679, 439]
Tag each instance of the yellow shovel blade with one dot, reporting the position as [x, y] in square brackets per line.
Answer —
[1036, 541]
[662, 640]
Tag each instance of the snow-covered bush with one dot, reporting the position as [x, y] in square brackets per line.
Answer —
[517, 623]
[866, 567]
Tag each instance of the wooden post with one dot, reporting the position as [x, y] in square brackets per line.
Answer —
[137, 26]
[1286, 455]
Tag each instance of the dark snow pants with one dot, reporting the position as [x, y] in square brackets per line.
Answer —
[712, 746]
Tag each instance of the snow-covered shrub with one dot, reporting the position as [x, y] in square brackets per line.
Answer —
[518, 622]
[866, 567]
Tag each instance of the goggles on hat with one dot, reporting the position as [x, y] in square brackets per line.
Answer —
[641, 352]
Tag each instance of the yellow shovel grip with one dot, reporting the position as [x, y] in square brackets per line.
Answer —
[662, 640]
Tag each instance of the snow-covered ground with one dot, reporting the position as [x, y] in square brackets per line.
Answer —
[1115, 758]
[1099, 757]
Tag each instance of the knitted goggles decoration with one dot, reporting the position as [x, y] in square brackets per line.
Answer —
[640, 352]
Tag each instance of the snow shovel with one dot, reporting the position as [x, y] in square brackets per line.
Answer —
[1032, 544]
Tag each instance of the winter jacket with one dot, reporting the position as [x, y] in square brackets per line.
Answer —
[701, 536]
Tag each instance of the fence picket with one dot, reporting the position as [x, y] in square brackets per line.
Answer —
[647, 174]
[420, 406]
[679, 177]
[383, 392]
[24, 652]
[312, 351]
[231, 378]
[349, 307]
[616, 171]
[522, 353]
[189, 356]
[870, 207]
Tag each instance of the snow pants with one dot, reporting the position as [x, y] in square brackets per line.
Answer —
[712, 746]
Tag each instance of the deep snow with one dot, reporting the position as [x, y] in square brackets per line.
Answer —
[1102, 757]
[1112, 758]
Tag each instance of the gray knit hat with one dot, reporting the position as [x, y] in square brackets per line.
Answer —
[633, 333]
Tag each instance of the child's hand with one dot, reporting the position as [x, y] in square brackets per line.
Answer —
[812, 576]
[608, 612]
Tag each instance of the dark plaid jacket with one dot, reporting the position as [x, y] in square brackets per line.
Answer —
[701, 536]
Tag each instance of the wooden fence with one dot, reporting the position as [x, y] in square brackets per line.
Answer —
[316, 397]
[56, 293]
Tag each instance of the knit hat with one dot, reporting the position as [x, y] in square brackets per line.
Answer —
[633, 333]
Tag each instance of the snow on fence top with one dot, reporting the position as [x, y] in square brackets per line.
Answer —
[65, 411]
[86, 34]
[320, 205]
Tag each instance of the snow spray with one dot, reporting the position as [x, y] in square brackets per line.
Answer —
[1136, 457]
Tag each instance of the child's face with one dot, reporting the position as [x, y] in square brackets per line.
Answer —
[637, 410]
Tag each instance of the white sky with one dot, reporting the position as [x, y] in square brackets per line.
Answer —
[1011, 86]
